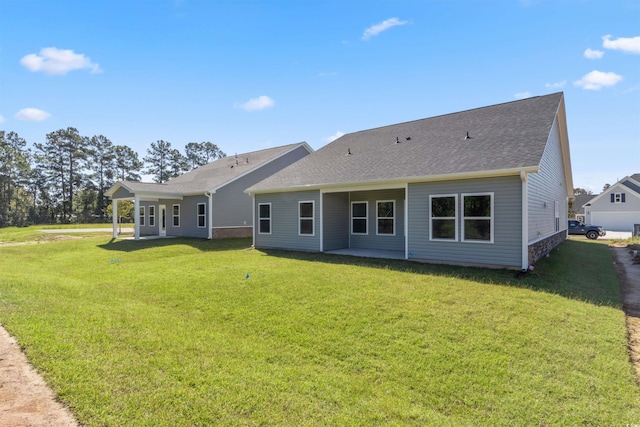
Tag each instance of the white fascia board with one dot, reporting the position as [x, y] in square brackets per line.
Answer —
[561, 120]
[399, 182]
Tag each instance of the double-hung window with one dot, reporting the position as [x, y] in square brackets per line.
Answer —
[385, 216]
[477, 217]
[618, 198]
[264, 218]
[201, 212]
[152, 216]
[359, 218]
[142, 217]
[305, 219]
[443, 217]
[176, 215]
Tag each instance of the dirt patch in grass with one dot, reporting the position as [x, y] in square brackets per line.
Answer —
[25, 399]
[46, 238]
[628, 270]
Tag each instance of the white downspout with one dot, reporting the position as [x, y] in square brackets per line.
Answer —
[210, 215]
[406, 221]
[525, 220]
[253, 221]
[321, 223]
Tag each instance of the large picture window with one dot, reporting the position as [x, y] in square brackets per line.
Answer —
[264, 218]
[359, 217]
[306, 220]
[142, 216]
[385, 217]
[443, 217]
[201, 215]
[176, 215]
[477, 220]
[152, 216]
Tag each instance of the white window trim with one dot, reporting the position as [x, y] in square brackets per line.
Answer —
[152, 216]
[313, 218]
[455, 218]
[260, 218]
[142, 215]
[490, 218]
[174, 216]
[365, 217]
[198, 215]
[386, 217]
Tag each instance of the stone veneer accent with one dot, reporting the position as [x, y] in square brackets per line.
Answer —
[232, 233]
[544, 247]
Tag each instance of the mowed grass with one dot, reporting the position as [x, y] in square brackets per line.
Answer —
[173, 333]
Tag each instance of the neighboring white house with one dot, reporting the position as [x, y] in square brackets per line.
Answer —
[618, 207]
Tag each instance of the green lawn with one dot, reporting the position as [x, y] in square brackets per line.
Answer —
[173, 332]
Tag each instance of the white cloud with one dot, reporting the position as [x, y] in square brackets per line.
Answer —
[52, 60]
[376, 29]
[625, 44]
[593, 54]
[555, 85]
[1, 119]
[259, 103]
[522, 95]
[32, 115]
[335, 136]
[596, 80]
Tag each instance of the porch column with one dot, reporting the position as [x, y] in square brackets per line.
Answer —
[114, 215]
[136, 217]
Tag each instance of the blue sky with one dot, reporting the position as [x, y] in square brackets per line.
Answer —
[248, 75]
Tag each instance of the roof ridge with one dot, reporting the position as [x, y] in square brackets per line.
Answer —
[457, 112]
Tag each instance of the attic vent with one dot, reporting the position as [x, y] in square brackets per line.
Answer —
[348, 151]
[467, 137]
[408, 138]
[397, 140]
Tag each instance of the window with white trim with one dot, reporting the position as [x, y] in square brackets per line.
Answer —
[152, 216]
[201, 215]
[359, 217]
[443, 217]
[306, 220]
[264, 218]
[477, 217]
[385, 217]
[618, 197]
[176, 216]
[142, 217]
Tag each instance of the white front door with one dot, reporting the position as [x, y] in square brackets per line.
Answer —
[163, 220]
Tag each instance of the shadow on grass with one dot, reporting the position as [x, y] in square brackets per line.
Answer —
[580, 270]
[203, 245]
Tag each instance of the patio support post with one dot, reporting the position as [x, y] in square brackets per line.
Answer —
[525, 221]
[210, 217]
[114, 215]
[136, 217]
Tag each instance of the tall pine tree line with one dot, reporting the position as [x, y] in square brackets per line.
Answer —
[65, 178]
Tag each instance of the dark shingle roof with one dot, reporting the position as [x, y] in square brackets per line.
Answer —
[632, 185]
[579, 200]
[212, 175]
[504, 136]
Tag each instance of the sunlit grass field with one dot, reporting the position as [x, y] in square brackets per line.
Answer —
[182, 332]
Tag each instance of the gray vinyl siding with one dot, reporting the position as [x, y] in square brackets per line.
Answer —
[335, 207]
[284, 221]
[189, 217]
[603, 204]
[146, 229]
[122, 193]
[372, 240]
[506, 248]
[232, 206]
[545, 188]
